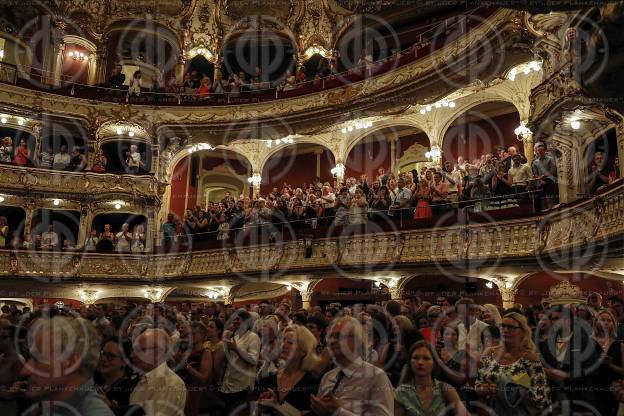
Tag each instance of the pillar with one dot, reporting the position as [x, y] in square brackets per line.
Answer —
[527, 142]
[29, 207]
[569, 187]
[36, 132]
[155, 158]
[396, 293]
[318, 153]
[392, 139]
[306, 298]
[92, 68]
[180, 67]
[58, 65]
[619, 131]
[508, 296]
[151, 232]
[100, 63]
[86, 219]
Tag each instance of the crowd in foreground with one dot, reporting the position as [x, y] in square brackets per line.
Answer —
[408, 357]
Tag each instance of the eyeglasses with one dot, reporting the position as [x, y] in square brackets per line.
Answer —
[109, 355]
[510, 327]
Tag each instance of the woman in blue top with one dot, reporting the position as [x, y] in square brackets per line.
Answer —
[419, 393]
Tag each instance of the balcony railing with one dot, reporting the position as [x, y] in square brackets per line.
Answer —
[585, 226]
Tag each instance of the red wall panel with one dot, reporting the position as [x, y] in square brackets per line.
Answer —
[473, 139]
[295, 169]
[429, 287]
[178, 187]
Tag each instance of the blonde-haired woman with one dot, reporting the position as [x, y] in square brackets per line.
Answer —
[612, 360]
[513, 367]
[294, 382]
[491, 315]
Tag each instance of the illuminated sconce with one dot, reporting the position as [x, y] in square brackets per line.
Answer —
[154, 295]
[489, 285]
[200, 146]
[255, 180]
[575, 124]
[522, 131]
[56, 202]
[2, 199]
[434, 153]
[338, 170]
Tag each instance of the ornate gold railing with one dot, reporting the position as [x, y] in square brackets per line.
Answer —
[587, 223]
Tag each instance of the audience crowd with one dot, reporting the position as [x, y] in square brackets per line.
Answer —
[407, 357]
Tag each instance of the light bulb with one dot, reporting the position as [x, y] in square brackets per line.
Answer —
[3, 120]
[131, 133]
[489, 285]
[508, 285]
[344, 130]
[350, 128]
[56, 202]
[20, 121]
[452, 104]
[1, 198]
[117, 206]
[428, 108]
[423, 111]
[119, 132]
[575, 124]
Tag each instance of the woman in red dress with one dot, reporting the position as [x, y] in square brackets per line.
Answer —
[22, 154]
[423, 210]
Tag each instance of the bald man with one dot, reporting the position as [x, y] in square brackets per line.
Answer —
[160, 392]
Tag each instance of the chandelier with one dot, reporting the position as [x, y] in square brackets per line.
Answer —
[255, 179]
[338, 170]
[78, 56]
[154, 295]
[89, 296]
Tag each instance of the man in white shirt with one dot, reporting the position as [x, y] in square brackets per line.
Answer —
[401, 203]
[49, 239]
[160, 392]
[61, 159]
[354, 387]
[520, 174]
[469, 327]
[133, 160]
[264, 310]
[242, 349]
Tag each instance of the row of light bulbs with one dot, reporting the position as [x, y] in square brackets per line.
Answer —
[216, 293]
[78, 56]
[490, 285]
[533, 66]
[201, 51]
[120, 131]
[357, 125]
[4, 119]
[438, 104]
[56, 202]
[200, 146]
[277, 142]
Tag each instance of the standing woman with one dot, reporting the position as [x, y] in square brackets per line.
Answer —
[358, 210]
[22, 154]
[4, 231]
[113, 377]
[198, 369]
[423, 209]
[124, 237]
[612, 366]
[107, 239]
[211, 402]
[201, 226]
[138, 239]
[418, 392]
[513, 368]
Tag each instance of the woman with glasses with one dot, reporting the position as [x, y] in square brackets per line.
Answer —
[113, 377]
[511, 377]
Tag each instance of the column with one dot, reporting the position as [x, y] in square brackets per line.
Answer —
[180, 67]
[29, 207]
[318, 153]
[92, 68]
[151, 232]
[396, 293]
[58, 65]
[527, 142]
[100, 63]
[86, 219]
[155, 158]
[306, 299]
[36, 132]
[392, 139]
[619, 131]
[508, 296]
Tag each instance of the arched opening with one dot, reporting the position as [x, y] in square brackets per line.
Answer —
[481, 130]
[347, 292]
[55, 229]
[275, 293]
[203, 178]
[15, 218]
[200, 65]
[602, 161]
[137, 226]
[376, 151]
[12, 145]
[271, 52]
[118, 156]
[75, 64]
[297, 165]
[429, 288]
